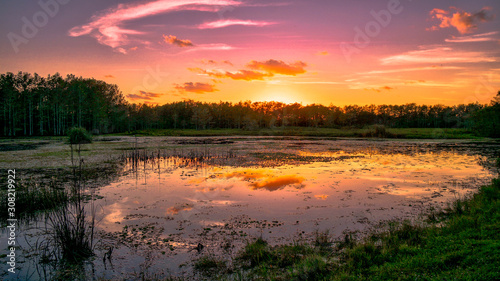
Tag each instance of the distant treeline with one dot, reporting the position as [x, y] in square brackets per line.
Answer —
[34, 105]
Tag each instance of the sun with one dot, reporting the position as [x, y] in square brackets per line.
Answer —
[280, 94]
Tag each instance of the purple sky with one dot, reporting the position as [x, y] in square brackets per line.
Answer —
[316, 51]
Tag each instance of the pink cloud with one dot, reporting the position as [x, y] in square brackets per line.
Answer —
[464, 22]
[399, 70]
[437, 55]
[209, 47]
[107, 26]
[229, 22]
[484, 37]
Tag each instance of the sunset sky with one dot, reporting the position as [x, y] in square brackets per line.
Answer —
[306, 51]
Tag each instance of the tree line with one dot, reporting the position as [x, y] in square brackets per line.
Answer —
[34, 105]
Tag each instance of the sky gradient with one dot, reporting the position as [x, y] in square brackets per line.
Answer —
[306, 51]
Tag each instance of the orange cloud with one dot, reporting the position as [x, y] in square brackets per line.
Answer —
[414, 82]
[109, 76]
[173, 40]
[143, 96]
[247, 75]
[269, 68]
[464, 22]
[279, 67]
[324, 53]
[198, 88]
[378, 90]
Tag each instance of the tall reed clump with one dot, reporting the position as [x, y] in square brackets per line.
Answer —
[72, 226]
[71, 233]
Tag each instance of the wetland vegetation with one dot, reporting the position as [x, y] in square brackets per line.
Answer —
[244, 208]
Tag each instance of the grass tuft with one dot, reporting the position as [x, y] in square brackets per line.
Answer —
[210, 265]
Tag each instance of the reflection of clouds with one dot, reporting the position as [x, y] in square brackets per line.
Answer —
[247, 174]
[116, 215]
[321, 196]
[275, 183]
[178, 208]
[207, 189]
[262, 178]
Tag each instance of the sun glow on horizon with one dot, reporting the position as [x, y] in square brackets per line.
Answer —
[278, 93]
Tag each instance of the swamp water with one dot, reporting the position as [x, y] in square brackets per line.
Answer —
[174, 194]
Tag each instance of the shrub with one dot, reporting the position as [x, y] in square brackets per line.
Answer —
[78, 135]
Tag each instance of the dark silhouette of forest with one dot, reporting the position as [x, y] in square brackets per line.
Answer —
[31, 105]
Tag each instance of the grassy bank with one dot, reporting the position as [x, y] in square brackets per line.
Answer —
[408, 133]
[461, 242]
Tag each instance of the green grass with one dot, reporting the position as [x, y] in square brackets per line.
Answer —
[374, 131]
[462, 242]
[210, 265]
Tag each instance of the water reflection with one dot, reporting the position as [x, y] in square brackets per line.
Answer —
[261, 179]
[178, 208]
[333, 180]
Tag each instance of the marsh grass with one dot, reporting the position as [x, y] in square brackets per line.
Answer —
[210, 265]
[71, 233]
[70, 228]
[34, 198]
[461, 242]
[369, 132]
